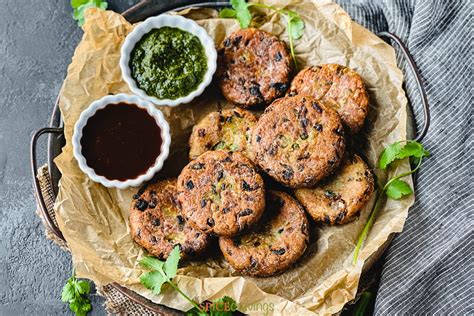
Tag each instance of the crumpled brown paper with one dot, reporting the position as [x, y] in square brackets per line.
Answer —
[94, 219]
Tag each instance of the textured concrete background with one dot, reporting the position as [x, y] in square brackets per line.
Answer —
[37, 41]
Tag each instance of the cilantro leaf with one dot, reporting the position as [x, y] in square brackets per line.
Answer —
[413, 149]
[151, 263]
[68, 292]
[80, 7]
[86, 306]
[171, 264]
[295, 23]
[227, 13]
[242, 11]
[82, 287]
[167, 270]
[80, 306]
[153, 280]
[75, 305]
[397, 189]
[163, 272]
[389, 155]
[75, 293]
[395, 151]
[77, 3]
[297, 27]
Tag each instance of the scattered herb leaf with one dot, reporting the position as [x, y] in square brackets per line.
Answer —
[389, 154]
[395, 152]
[296, 23]
[240, 11]
[163, 272]
[398, 189]
[80, 7]
[412, 149]
[153, 280]
[171, 264]
[395, 188]
[75, 293]
[152, 263]
[227, 13]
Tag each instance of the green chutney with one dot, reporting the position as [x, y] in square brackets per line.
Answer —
[168, 63]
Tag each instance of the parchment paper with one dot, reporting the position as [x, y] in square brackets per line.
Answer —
[94, 219]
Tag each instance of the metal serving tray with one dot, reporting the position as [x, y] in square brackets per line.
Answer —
[139, 12]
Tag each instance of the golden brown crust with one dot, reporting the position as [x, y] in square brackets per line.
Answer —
[277, 241]
[156, 224]
[340, 198]
[254, 68]
[220, 192]
[227, 130]
[339, 87]
[298, 141]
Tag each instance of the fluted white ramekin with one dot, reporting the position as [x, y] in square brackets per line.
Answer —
[114, 99]
[170, 21]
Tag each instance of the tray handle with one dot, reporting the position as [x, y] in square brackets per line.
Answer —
[147, 8]
[419, 83]
[50, 225]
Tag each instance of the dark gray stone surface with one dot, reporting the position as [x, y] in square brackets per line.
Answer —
[37, 41]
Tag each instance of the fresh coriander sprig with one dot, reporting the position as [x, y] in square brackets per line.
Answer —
[395, 188]
[240, 11]
[163, 272]
[75, 293]
[80, 7]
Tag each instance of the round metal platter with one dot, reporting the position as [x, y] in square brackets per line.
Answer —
[148, 8]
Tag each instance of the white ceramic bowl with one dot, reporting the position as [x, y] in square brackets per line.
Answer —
[171, 21]
[100, 104]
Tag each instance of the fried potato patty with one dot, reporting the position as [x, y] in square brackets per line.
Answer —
[298, 141]
[340, 198]
[157, 225]
[220, 192]
[278, 240]
[340, 87]
[254, 68]
[227, 130]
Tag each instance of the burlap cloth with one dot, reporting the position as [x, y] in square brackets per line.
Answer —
[117, 303]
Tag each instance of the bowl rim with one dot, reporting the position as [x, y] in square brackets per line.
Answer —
[102, 103]
[175, 21]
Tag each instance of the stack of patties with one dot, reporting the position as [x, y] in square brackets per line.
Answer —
[339, 198]
[299, 141]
